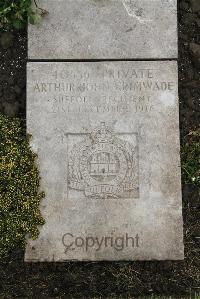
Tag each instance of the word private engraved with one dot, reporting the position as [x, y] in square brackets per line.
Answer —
[102, 165]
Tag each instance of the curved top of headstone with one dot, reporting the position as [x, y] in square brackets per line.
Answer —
[105, 29]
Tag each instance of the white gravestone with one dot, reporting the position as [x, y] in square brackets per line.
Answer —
[107, 139]
[105, 29]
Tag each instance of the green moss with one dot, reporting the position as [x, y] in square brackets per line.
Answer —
[190, 155]
[19, 187]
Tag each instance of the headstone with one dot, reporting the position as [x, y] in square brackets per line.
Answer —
[107, 139]
[105, 29]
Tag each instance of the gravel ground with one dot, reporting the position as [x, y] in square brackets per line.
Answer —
[108, 279]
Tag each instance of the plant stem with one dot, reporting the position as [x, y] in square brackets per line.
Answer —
[38, 6]
[43, 11]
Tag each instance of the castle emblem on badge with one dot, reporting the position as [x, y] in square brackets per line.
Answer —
[104, 166]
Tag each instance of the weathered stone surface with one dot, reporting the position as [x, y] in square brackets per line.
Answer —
[107, 139]
[105, 29]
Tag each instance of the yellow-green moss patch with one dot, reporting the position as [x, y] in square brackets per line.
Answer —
[19, 187]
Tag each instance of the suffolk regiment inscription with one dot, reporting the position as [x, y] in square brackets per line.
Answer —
[104, 166]
[107, 139]
[118, 90]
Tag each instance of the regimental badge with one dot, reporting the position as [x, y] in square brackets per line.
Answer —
[104, 166]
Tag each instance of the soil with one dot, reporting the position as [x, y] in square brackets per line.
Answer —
[111, 279]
